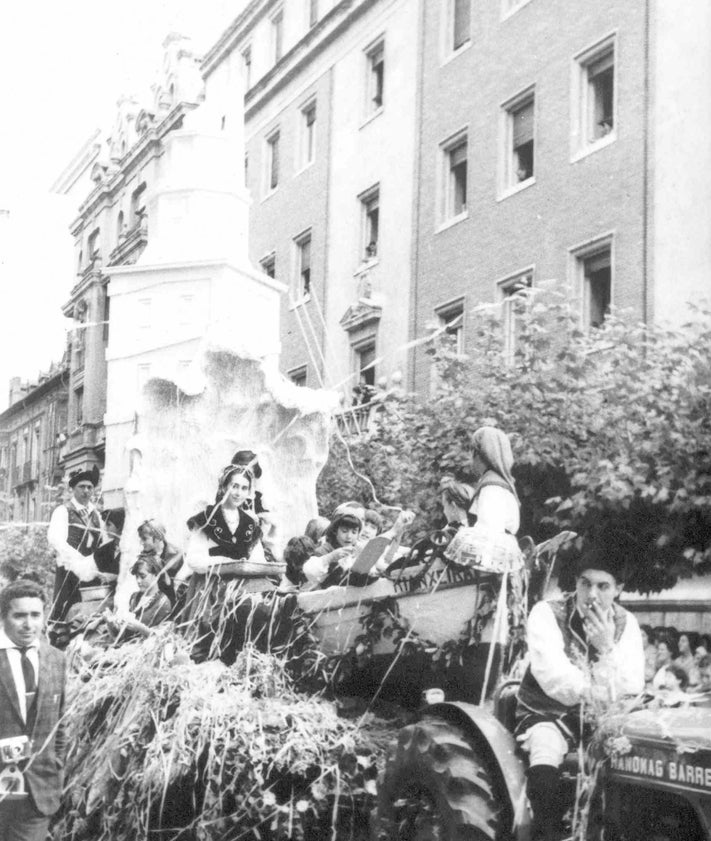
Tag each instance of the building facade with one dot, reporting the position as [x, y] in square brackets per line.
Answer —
[408, 161]
[32, 435]
[111, 229]
[546, 152]
[330, 115]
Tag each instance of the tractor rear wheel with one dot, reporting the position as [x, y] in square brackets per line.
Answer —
[436, 787]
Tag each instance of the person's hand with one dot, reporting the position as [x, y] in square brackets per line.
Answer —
[341, 554]
[599, 628]
[107, 577]
[404, 519]
[132, 624]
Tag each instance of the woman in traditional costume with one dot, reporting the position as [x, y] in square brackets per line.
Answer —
[224, 537]
[490, 544]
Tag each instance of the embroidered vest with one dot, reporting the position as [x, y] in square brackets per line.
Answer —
[83, 534]
[576, 648]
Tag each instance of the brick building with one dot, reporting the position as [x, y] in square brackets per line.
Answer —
[330, 112]
[549, 148]
[32, 433]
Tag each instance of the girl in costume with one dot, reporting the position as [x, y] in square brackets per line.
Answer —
[224, 538]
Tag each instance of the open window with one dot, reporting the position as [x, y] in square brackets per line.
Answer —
[594, 116]
[454, 176]
[370, 222]
[375, 77]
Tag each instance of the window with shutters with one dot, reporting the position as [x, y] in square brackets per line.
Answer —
[271, 173]
[459, 29]
[593, 267]
[307, 138]
[303, 265]
[370, 222]
[375, 77]
[277, 23]
[454, 166]
[519, 142]
[247, 66]
[594, 119]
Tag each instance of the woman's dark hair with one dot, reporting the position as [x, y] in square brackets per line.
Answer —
[316, 527]
[149, 561]
[345, 519]
[296, 552]
[679, 673]
[651, 636]
[21, 588]
[670, 643]
[374, 518]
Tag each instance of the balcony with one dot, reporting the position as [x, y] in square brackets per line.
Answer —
[131, 243]
[357, 420]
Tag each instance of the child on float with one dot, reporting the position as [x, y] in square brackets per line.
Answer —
[148, 607]
[332, 560]
[297, 551]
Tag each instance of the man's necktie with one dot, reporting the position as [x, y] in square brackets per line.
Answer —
[28, 674]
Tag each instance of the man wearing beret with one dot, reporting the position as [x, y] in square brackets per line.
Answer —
[75, 532]
[581, 646]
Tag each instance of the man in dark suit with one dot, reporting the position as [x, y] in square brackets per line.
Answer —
[32, 679]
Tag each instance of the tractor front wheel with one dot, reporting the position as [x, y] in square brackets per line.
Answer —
[436, 787]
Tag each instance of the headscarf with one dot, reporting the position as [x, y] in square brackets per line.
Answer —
[494, 447]
[154, 528]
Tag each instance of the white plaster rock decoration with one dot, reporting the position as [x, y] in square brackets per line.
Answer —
[185, 440]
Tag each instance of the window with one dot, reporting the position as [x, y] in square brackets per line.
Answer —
[597, 286]
[298, 376]
[303, 265]
[79, 345]
[79, 406]
[272, 172]
[313, 18]
[519, 141]
[268, 265]
[247, 67]
[246, 169]
[107, 315]
[510, 289]
[455, 177]
[308, 135]
[370, 208]
[460, 23]
[277, 35]
[365, 362]
[376, 77]
[594, 123]
[92, 246]
[138, 204]
[119, 225]
[451, 318]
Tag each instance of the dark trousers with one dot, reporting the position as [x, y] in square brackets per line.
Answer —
[20, 821]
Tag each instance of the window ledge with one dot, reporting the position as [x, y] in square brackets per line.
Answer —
[594, 146]
[304, 299]
[366, 266]
[517, 188]
[372, 116]
[455, 220]
[304, 168]
[510, 12]
[456, 53]
[270, 193]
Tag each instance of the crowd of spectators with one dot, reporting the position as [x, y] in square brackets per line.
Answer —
[677, 665]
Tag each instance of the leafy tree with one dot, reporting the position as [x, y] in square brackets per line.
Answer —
[611, 431]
